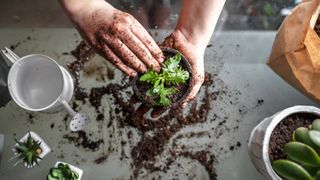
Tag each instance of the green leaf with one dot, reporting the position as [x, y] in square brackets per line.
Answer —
[180, 76]
[316, 125]
[315, 137]
[150, 76]
[164, 93]
[317, 177]
[171, 74]
[301, 134]
[302, 153]
[172, 63]
[311, 170]
[290, 170]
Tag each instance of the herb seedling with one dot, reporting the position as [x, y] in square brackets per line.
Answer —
[171, 74]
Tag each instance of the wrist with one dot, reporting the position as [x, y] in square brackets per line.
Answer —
[192, 39]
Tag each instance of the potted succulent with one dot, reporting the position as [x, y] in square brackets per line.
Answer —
[167, 87]
[303, 160]
[30, 149]
[64, 171]
[283, 145]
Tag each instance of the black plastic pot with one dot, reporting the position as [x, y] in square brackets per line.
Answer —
[168, 52]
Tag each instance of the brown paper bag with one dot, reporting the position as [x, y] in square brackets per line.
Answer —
[295, 53]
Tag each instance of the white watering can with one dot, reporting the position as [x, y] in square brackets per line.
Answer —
[38, 83]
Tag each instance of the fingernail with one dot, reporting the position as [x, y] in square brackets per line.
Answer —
[134, 74]
[184, 104]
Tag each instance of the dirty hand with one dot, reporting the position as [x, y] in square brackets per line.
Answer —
[195, 55]
[116, 35]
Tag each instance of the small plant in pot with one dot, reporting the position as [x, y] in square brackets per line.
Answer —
[167, 87]
[303, 155]
[29, 150]
[286, 144]
[64, 171]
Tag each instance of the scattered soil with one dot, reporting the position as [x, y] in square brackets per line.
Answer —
[317, 26]
[150, 146]
[82, 54]
[143, 87]
[80, 139]
[30, 118]
[282, 133]
[203, 158]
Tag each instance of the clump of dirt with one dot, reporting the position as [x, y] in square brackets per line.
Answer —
[101, 159]
[80, 139]
[317, 26]
[282, 133]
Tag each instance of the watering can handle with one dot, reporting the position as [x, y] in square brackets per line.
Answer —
[10, 55]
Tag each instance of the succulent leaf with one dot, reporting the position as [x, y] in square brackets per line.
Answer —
[316, 125]
[62, 171]
[291, 170]
[301, 134]
[311, 170]
[315, 137]
[302, 153]
[317, 176]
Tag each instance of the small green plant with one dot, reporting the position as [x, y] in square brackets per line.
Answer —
[303, 160]
[62, 172]
[27, 151]
[171, 74]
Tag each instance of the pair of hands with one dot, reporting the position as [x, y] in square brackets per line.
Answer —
[123, 41]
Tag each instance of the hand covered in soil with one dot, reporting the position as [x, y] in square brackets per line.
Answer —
[194, 55]
[116, 35]
[195, 26]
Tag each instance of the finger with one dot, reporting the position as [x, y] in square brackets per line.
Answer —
[115, 60]
[194, 91]
[147, 40]
[140, 50]
[125, 53]
[156, 112]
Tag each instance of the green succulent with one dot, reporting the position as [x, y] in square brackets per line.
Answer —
[303, 160]
[27, 151]
[171, 74]
[62, 172]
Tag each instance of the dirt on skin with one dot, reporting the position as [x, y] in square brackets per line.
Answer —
[282, 133]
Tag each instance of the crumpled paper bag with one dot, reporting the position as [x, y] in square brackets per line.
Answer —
[295, 53]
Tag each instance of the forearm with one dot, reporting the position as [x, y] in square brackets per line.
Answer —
[198, 19]
[75, 8]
